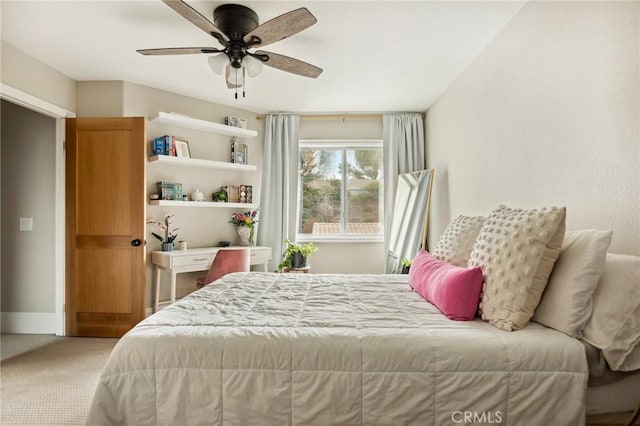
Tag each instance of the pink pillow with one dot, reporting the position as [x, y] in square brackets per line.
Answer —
[453, 290]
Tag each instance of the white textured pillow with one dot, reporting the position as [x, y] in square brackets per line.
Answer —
[566, 303]
[455, 244]
[614, 326]
[516, 250]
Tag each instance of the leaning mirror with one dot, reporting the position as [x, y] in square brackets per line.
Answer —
[409, 221]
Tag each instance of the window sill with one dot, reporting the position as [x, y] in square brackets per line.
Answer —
[310, 238]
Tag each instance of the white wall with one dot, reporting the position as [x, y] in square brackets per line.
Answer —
[345, 257]
[26, 73]
[548, 114]
[28, 191]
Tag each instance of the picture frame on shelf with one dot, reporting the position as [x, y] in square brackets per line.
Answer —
[182, 149]
[239, 152]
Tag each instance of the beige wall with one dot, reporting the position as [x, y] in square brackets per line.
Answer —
[25, 73]
[28, 191]
[546, 115]
[344, 257]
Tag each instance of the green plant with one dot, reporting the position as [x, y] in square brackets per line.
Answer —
[293, 249]
[406, 262]
[406, 265]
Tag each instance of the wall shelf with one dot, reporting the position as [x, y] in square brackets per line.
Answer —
[197, 162]
[179, 120]
[171, 203]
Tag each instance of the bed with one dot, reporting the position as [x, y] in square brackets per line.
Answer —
[314, 349]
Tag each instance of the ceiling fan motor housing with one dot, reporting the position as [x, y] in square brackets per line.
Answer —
[235, 20]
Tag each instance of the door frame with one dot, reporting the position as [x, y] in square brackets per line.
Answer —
[44, 107]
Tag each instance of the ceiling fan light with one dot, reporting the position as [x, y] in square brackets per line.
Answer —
[235, 77]
[252, 65]
[218, 63]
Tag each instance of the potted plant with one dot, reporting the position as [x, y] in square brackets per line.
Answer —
[295, 255]
[406, 265]
[245, 224]
[169, 234]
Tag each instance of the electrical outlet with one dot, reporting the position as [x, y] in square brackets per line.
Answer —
[26, 224]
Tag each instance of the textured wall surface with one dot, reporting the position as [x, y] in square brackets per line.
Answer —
[547, 115]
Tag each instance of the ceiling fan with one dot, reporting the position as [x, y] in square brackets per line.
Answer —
[237, 29]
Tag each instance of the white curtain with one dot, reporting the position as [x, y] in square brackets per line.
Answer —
[279, 197]
[403, 152]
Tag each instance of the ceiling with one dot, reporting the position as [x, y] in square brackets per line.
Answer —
[377, 56]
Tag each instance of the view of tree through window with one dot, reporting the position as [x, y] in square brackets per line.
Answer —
[341, 189]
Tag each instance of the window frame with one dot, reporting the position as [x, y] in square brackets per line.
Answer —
[342, 145]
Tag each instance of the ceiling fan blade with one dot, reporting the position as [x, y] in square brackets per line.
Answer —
[282, 26]
[292, 65]
[193, 16]
[178, 51]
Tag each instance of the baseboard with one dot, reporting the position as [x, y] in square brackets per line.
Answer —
[28, 322]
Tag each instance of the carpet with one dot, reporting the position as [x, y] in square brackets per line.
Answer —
[53, 384]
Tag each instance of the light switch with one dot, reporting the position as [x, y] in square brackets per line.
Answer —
[26, 224]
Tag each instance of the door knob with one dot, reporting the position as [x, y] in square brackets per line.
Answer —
[135, 242]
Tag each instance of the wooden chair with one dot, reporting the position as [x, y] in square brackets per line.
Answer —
[226, 262]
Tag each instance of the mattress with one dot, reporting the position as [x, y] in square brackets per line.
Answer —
[278, 349]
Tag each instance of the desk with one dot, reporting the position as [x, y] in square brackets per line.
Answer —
[196, 259]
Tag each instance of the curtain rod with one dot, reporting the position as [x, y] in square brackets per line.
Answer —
[336, 117]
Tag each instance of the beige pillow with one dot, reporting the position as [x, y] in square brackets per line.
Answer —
[516, 250]
[455, 244]
[614, 326]
[567, 300]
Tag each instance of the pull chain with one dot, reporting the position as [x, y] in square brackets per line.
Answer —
[236, 78]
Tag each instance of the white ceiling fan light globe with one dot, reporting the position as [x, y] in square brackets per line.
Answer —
[252, 65]
[218, 63]
[234, 76]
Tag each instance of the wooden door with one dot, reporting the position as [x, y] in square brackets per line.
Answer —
[105, 225]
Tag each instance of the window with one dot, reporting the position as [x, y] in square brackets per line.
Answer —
[341, 190]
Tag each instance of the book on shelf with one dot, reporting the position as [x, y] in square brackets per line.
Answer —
[239, 152]
[164, 145]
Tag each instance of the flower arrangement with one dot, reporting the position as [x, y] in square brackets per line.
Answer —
[247, 219]
[169, 234]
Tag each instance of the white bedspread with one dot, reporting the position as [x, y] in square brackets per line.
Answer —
[313, 349]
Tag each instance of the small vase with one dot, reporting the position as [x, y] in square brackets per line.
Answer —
[246, 235]
[167, 246]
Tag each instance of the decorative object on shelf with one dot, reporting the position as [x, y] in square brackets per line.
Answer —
[235, 122]
[197, 195]
[182, 245]
[219, 196]
[246, 194]
[169, 235]
[295, 256]
[166, 190]
[182, 149]
[233, 193]
[239, 151]
[177, 192]
[224, 243]
[245, 225]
